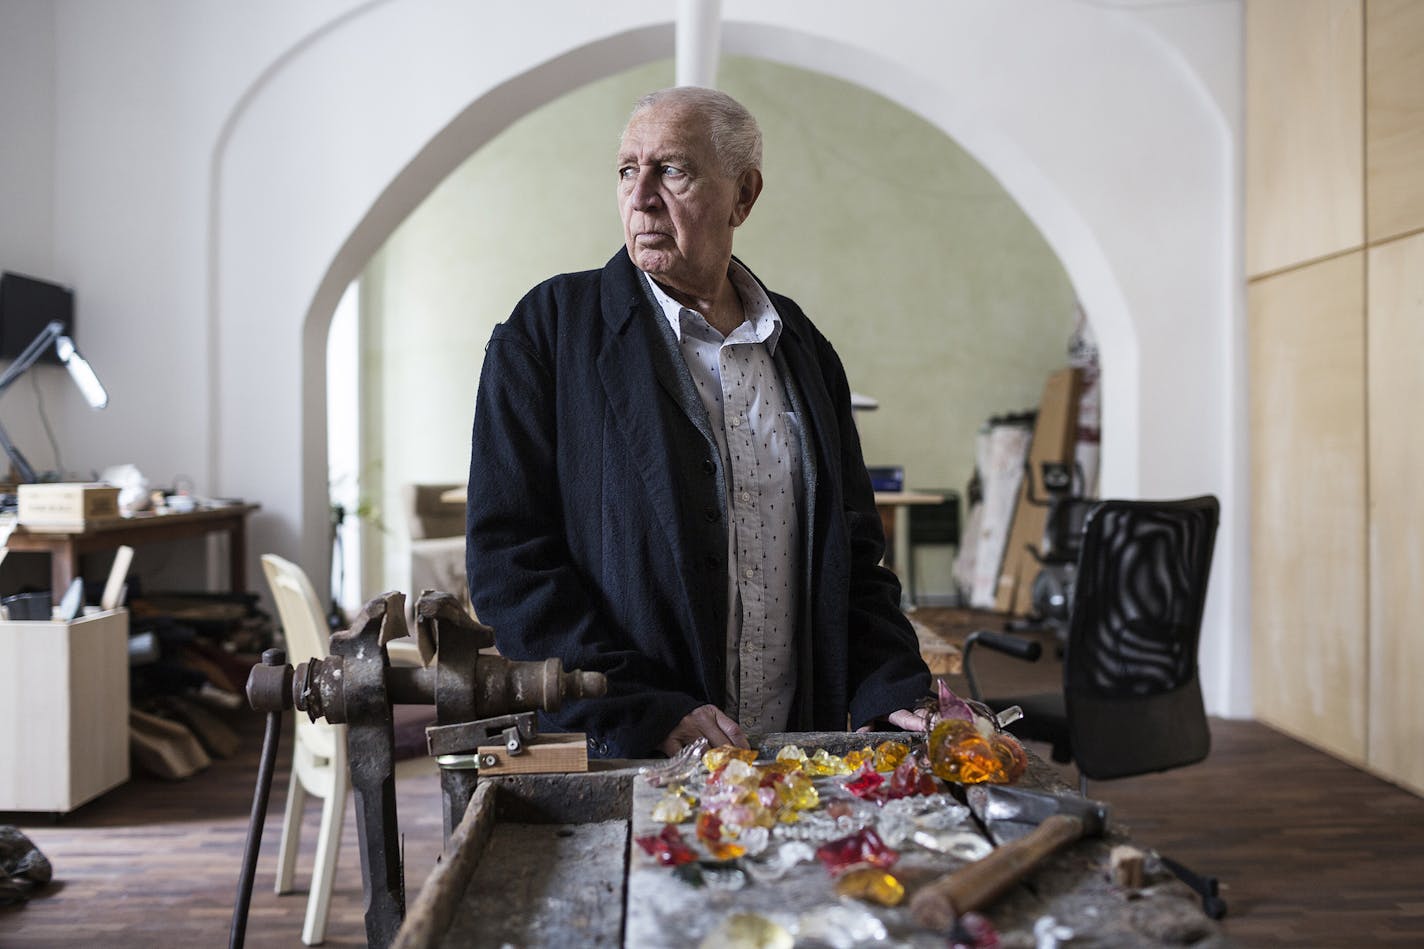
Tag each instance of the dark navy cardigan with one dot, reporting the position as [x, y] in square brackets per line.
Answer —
[597, 520]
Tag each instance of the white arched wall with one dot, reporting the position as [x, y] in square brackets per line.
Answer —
[1112, 147]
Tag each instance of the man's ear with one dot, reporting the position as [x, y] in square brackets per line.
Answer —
[748, 188]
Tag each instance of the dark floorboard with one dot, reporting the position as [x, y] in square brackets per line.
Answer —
[1310, 851]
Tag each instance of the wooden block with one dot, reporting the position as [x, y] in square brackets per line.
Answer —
[552, 752]
[1055, 434]
[1126, 866]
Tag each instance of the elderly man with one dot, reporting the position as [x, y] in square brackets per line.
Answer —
[665, 482]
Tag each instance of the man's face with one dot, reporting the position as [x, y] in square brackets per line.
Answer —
[677, 205]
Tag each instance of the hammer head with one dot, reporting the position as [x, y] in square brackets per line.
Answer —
[1009, 813]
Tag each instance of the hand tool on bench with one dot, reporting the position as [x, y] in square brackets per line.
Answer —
[1028, 826]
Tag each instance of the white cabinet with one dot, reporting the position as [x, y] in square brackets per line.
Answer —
[64, 711]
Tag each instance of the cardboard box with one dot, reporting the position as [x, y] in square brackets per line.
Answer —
[65, 506]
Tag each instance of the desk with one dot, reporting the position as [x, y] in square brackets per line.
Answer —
[889, 503]
[136, 530]
[544, 860]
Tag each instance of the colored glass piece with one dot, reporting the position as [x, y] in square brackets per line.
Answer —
[863, 846]
[748, 931]
[866, 783]
[889, 754]
[823, 764]
[1012, 754]
[668, 848]
[791, 753]
[873, 884]
[672, 809]
[960, 752]
[973, 931]
[717, 758]
[855, 760]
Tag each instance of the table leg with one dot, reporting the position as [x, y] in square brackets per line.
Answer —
[63, 567]
[237, 556]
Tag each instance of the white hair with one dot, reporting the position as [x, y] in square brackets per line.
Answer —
[736, 137]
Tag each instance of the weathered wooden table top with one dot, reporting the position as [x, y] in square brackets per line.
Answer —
[549, 860]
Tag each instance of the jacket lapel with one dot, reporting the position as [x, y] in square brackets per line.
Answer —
[649, 417]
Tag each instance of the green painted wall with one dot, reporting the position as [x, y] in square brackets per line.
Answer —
[942, 298]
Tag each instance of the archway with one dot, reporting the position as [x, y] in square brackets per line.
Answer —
[1132, 293]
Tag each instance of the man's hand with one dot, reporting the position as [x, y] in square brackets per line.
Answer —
[705, 721]
[916, 720]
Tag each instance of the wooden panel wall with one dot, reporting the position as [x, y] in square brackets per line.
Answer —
[1336, 334]
[1394, 127]
[1396, 393]
[1307, 339]
[1304, 108]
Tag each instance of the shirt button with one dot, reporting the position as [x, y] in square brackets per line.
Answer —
[710, 514]
[749, 573]
[746, 495]
[708, 467]
[733, 422]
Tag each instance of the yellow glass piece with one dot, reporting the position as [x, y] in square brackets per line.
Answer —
[823, 764]
[780, 766]
[718, 757]
[958, 752]
[855, 759]
[748, 931]
[889, 754]
[721, 850]
[801, 794]
[873, 884]
[791, 753]
[674, 807]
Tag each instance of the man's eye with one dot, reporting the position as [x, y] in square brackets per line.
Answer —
[672, 171]
[627, 172]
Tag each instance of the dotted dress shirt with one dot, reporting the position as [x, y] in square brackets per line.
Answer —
[759, 437]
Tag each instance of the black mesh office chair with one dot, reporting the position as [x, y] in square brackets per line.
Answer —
[1131, 702]
[931, 525]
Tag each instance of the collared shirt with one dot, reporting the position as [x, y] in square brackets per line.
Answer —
[759, 438]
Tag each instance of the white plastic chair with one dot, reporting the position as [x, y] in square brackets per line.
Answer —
[319, 766]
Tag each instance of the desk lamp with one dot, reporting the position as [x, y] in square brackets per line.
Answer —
[82, 374]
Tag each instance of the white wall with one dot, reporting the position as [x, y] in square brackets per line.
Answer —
[221, 172]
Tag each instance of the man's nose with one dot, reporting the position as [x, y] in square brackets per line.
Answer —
[644, 195]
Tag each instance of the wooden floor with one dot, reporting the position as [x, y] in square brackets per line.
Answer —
[1311, 852]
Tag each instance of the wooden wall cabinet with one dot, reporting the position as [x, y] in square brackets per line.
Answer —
[64, 711]
[1304, 125]
[1335, 264]
[1396, 485]
[1307, 353]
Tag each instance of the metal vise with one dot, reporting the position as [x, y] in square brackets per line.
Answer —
[475, 696]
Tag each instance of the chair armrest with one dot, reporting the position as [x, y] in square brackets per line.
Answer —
[1026, 649]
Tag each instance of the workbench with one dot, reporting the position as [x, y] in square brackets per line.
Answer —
[549, 860]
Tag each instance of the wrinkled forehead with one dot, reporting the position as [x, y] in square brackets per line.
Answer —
[662, 130]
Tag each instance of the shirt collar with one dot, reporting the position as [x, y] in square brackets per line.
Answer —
[756, 308]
